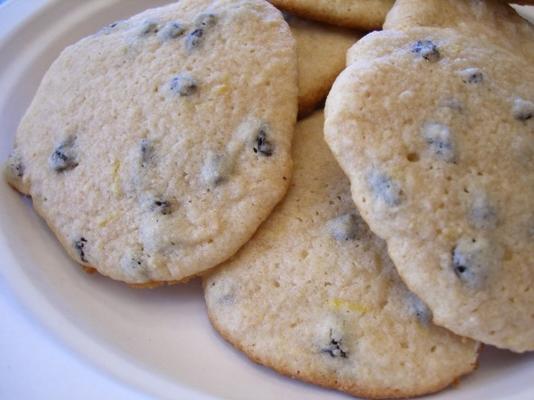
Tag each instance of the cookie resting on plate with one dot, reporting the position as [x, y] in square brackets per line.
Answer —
[156, 147]
[315, 296]
[435, 131]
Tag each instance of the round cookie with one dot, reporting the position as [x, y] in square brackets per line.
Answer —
[435, 132]
[358, 14]
[156, 147]
[492, 20]
[314, 295]
[321, 51]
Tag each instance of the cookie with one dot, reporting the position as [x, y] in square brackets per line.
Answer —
[156, 147]
[435, 132]
[314, 295]
[492, 20]
[358, 14]
[321, 53]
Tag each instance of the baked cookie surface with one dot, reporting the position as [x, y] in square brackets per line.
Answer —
[321, 53]
[435, 131]
[491, 20]
[314, 295]
[357, 14]
[156, 147]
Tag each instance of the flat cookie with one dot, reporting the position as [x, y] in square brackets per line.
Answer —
[492, 20]
[156, 147]
[357, 14]
[436, 134]
[314, 295]
[321, 53]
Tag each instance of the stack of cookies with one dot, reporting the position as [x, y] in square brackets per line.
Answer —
[374, 262]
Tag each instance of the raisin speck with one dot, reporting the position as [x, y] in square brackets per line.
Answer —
[79, 245]
[183, 85]
[440, 140]
[473, 261]
[206, 21]
[112, 27]
[148, 27]
[522, 110]
[335, 347]
[63, 158]
[384, 188]
[262, 145]
[171, 30]
[133, 263]
[194, 39]
[163, 207]
[427, 50]
[147, 152]
[472, 75]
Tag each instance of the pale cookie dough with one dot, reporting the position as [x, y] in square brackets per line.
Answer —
[357, 14]
[321, 53]
[436, 134]
[492, 20]
[156, 147]
[314, 295]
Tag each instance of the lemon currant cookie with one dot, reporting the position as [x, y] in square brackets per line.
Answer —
[321, 53]
[491, 20]
[434, 129]
[358, 14]
[314, 295]
[156, 147]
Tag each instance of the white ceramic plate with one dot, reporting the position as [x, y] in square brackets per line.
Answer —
[157, 341]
